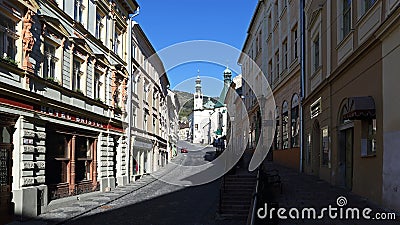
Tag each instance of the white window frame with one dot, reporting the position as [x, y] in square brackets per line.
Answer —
[77, 76]
[49, 61]
[78, 10]
[8, 33]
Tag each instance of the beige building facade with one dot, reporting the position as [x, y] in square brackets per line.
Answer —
[349, 106]
[151, 122]
[273, 45]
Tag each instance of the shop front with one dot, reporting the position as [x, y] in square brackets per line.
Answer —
[71, 164]
[141, 157]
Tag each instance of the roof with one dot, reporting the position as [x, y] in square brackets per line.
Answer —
[253, 19]
[209, 105]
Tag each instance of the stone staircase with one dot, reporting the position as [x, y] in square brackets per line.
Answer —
[236, 195]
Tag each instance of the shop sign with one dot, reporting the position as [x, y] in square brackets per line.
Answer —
[66, 116]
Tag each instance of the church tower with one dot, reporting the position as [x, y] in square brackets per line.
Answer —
[227, 84]
[198, 96]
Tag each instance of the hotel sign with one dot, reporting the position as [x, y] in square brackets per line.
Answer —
[63, 115]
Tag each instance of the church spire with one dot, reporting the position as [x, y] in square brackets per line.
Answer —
[198, 96]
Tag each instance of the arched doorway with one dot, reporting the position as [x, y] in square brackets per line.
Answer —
[316, 148]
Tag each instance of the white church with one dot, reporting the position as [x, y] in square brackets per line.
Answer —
[209, 121]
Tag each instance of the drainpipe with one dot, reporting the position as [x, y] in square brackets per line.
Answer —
[302, 80]
[129, 108]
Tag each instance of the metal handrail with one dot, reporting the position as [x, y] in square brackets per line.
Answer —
[252, 211]
[221, 191]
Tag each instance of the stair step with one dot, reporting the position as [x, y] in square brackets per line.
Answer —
[237, 198]
[243, 212]
[237, 217]
[230, 190]
[228, 206]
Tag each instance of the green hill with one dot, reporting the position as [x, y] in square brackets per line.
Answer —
[186, 101]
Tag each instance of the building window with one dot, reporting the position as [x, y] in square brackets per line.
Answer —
[346, 26]
[271, 71]
[133, 50]
[269, 24]
[78, 11]
[368, 141]
[76, 76]
[83, 162]
[275, 10]
[285, 54]
[134, 116]
[295, 40]
[154, 98]
[7, 38]
[277, 130]
[97, 86]
[58, 158]
[154, 124]
[146, 93]
[145, 118]
[134, 85]
[99, 25]
[59, 168]
[316, 53]
[117, 42]
[295, 122]
[285, 125]
[259, 42]
[366, 5]
[325, 146]
[276, 65]
[49, 61]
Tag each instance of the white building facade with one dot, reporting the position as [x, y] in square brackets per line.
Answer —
[209, 121]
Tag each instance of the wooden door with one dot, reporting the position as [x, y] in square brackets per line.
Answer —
[6, 147]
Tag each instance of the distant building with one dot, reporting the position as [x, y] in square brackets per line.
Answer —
[184, 130]
[208, 121]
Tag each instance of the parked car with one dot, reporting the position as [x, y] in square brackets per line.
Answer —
[184, 150]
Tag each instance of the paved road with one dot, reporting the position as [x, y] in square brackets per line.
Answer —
[163, 203]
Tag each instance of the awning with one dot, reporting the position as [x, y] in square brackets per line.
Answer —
[359, 108]
[143, 144]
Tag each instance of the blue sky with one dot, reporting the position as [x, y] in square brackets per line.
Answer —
[170, 22]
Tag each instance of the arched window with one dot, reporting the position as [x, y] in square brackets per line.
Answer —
[295, 122]
[277, 130]
[285, 125]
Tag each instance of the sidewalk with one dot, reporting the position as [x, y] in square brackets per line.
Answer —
[62, 210]
[304, 191]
